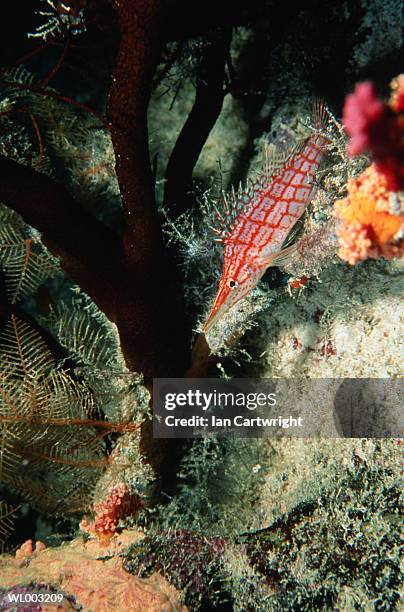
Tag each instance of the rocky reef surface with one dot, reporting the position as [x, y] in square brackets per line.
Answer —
[112, 289]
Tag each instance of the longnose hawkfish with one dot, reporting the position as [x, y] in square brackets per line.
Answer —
[258, 220]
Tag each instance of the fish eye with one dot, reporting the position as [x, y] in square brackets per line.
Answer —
[232, 284]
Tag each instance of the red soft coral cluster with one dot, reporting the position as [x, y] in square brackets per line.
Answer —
[378, 128]
[397, 94]
[119, 504]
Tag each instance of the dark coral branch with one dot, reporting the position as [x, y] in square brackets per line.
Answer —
[148, 317]
[127, 117]
[205, 111]
[47, 206]
[89, 250]
[201, 358]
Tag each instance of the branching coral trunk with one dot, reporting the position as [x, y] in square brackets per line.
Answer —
[88, 249]
[133, 280]
[129, 277]
[202, 118]
[127, 117]
[147, 309]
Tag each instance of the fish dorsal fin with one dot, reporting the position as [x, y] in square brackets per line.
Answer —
[275, 160]
[324, 123]
[323, 119]
[231, 205]
[320, 115]
[237, 202]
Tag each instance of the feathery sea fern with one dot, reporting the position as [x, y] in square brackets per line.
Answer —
[57, 136]
[48, 446]
[24, 261]
[7, 514]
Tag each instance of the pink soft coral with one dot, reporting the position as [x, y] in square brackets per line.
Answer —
[364, 119]
[378, 129]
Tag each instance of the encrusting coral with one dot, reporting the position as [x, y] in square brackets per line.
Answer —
[94, 575]
[328, 535]
[26, 550]
[191, 562]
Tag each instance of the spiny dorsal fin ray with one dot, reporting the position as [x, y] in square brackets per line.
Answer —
[321, 117]
[276, 160]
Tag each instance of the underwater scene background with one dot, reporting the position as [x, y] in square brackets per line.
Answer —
[137, 138]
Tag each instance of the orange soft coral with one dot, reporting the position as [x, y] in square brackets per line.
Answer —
[26, 550]
[370, 224]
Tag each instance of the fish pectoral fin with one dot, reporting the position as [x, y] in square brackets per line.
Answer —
[282, 257]
[291, 238]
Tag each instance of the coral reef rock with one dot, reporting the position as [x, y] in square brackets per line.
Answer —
[94, 576]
